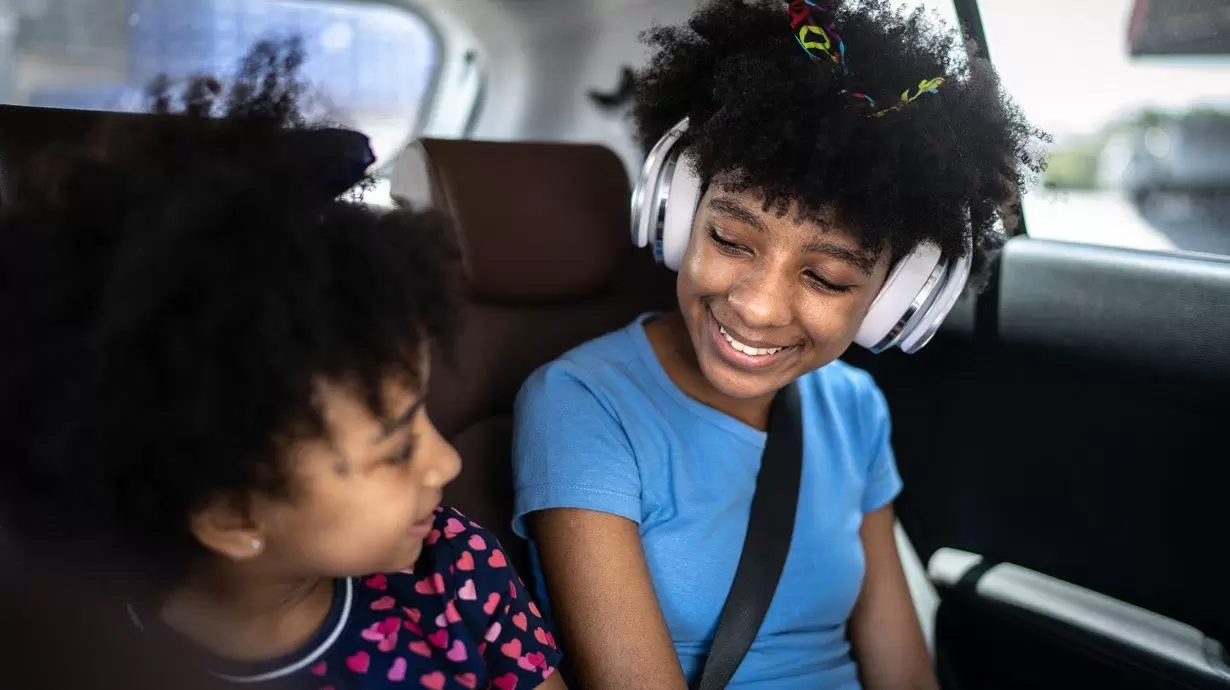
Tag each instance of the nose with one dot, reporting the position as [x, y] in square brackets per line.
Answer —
[443, 463]
[761, 298]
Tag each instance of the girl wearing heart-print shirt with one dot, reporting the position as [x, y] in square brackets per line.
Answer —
[223, 364]
[460, 618]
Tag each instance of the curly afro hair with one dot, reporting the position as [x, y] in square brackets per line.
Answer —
[174, 288]
[765, 117]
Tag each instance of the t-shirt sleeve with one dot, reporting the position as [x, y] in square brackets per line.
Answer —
[517, 645]
[883, 481]
[570, 451]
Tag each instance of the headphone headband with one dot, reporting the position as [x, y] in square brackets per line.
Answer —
[648, 201]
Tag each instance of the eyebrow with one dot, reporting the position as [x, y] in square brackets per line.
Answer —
[860, 260]
[391, 427]
[725, 206]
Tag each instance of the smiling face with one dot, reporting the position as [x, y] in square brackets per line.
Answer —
[768, 299]
[362, 496]
[366, 492]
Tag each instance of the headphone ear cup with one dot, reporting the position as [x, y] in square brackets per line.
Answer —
[680, 211]
[921, 329]
[914, 278]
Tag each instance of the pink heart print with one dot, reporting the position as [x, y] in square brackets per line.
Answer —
[493, 600]
[457, 653]
[507, 681]
[358, 662]
[397, 672]
[433, 681]
[384, 603]
[430, 585]
[493, 633]
[511, 649]
[453, 527]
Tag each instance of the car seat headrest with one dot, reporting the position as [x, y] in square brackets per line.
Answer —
[538, 222]
[26, 132]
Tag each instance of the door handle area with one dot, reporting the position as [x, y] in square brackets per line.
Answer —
[1085, 609]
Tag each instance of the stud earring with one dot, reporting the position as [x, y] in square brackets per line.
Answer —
[256, 544]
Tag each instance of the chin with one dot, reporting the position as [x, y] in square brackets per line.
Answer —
[739, 385]
[402, 561]
[412, 557]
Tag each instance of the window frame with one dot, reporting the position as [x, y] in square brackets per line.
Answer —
[969, 16]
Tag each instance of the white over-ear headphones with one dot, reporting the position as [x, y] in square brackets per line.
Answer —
[919, 292]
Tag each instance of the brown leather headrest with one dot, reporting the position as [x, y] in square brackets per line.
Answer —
[537, 221]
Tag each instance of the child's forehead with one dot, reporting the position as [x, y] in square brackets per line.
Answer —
[347, 404]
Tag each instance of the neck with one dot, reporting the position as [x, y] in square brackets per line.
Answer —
[243, 617]
[673, 346]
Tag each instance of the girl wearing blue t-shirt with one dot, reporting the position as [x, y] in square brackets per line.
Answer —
[636, 454]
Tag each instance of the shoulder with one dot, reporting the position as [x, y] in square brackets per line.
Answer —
[455, 546]
[589, 369]
[847, 394]
[463, 602]
[462, 571]
[843, 382]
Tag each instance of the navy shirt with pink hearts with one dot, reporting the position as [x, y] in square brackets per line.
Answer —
[461, 619]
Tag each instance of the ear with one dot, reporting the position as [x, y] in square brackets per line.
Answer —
[226, 527]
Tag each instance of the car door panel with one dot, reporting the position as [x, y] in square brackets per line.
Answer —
[1060, 635]
[1082, 437]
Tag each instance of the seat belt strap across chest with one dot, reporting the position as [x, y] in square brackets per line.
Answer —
[769, 531]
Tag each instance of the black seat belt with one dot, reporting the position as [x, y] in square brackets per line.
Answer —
[769, 530]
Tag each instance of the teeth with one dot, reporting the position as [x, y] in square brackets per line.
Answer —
[747, 349]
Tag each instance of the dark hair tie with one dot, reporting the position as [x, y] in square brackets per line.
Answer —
[334, 159]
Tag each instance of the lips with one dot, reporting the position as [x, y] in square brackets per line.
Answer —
[423, 525]
[746, 348]
[744, 353]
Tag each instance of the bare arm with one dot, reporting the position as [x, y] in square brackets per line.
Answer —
[613, 632]
[884, 630]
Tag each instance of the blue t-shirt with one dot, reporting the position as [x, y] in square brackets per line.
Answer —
[604, 428]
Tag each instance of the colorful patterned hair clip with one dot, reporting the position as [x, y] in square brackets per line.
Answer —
[812, 23]
[815, 30]
[927, 86]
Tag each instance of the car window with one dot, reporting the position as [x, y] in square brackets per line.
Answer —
[1137, 96]
[371, 64]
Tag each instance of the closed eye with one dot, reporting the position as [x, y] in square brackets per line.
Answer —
[822, 283]
[405, 452]
[724, 245]
[735, 249]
